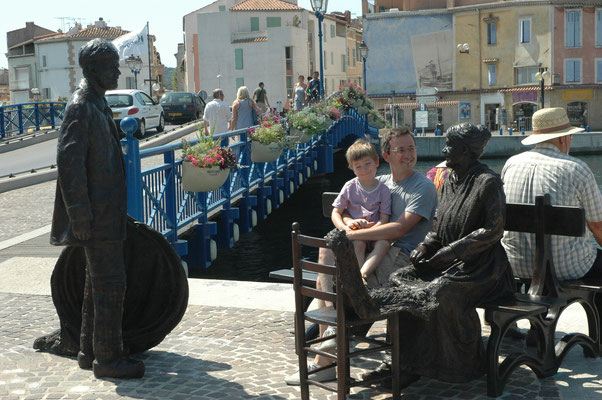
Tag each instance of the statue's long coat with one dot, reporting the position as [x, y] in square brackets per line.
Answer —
[91, 171]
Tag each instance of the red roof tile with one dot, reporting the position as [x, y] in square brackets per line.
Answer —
[264, 5]
[88, 33]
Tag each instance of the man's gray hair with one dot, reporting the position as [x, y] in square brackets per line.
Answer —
[217, 93]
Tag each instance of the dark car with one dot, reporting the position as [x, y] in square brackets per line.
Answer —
[182, 106]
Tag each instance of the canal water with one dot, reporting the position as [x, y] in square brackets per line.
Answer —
[268, 247]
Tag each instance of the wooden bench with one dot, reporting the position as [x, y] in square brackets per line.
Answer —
[544, 301]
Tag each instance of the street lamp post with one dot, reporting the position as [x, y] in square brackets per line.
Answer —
[135, 64]
[541, 76]
[319, 7]
[364, 54]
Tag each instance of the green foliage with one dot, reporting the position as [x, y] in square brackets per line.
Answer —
[269, 131]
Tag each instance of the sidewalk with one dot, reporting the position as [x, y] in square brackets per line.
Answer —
[235, 342]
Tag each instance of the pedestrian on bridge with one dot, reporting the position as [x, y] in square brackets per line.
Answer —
[90, 210]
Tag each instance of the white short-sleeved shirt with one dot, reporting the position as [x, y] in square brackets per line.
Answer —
[218, 112]
[569, 182]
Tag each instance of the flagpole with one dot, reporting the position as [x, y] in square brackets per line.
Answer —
[150, 71]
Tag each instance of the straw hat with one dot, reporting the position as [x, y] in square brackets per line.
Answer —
[550, 123]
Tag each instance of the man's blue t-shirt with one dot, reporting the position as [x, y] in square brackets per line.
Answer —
[415, 194]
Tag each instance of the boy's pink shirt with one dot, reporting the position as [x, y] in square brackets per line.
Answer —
[360, 203]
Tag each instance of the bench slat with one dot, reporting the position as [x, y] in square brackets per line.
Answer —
[560, 220]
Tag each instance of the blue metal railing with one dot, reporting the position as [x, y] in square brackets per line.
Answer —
[22, 118]
[156, 197]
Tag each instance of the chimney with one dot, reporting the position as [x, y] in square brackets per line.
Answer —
[348, 16]
[100, 23]
[451, 3]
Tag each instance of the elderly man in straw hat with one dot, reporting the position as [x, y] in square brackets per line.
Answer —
[548, 168]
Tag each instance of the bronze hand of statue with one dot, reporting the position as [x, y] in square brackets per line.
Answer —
[442, 259]
[419, 254]
[81, 230]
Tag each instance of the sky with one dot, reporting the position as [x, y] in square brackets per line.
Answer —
[164, 18]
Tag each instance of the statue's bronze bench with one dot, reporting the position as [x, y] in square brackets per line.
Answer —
[543, 303]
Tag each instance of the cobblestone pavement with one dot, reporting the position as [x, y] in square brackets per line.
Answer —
[225, 353]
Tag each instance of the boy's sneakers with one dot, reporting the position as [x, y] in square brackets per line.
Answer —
[322, 376]
[330, 343]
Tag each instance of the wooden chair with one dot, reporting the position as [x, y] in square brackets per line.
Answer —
[341, 316]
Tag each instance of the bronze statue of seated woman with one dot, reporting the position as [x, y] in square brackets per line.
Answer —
[458, 265]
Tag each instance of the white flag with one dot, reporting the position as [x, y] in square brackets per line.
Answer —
[133, 43]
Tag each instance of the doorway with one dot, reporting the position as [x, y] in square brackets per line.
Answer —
[491, 120]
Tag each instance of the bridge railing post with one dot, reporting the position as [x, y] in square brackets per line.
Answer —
[37, 115]
[20, 117]
[131, 152]
[51, 111]
[2, 127]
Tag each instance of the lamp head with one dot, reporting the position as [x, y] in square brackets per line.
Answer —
[319, 5]
[364, 50]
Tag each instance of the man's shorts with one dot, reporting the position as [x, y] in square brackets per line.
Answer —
[394, 259]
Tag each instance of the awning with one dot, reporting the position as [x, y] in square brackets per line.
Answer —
[438, 104]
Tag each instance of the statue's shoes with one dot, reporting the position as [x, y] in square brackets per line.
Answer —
[84, 360]
[120, 368]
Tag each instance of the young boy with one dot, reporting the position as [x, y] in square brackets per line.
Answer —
[367, 201]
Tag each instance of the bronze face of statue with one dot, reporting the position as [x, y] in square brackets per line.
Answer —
[459, 264]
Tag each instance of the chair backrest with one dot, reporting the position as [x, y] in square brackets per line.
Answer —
[300, 264]
[544, 219]
[327, 200]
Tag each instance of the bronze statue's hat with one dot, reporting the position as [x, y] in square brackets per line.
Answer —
[550, 123]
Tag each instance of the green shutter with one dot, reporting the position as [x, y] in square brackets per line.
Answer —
[222, 8]
[254, 24]
[238, 64]
[273, 22]
[240, 82]
[332, 31]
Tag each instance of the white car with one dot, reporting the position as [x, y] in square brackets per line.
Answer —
[136, 104]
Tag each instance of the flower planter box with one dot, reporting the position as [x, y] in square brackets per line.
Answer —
[298, 136]
[196, 179]
[265, 152]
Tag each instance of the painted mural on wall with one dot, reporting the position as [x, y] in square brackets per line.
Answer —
[409, 52]
[433, 59]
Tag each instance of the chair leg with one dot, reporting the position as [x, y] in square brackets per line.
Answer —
[343, 367]
[302, 354]
[394, 333]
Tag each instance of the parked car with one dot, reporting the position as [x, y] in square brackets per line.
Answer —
[136, 104]
[182, 106]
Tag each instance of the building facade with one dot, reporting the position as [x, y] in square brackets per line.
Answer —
[231, 43]
[48, 62]
[21, 57]
[492, 55]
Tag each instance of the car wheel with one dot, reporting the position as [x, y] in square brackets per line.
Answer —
[161, 126]
[141, 129]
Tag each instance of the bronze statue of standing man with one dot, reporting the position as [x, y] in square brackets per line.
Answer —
[90, 210]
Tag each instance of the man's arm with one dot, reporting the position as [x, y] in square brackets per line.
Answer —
[265, 97]
[596, 228]
[392, 230]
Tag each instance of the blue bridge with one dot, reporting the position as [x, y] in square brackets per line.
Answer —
[156, 196]
[28, 117]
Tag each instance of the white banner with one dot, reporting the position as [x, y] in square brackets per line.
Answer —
[133, 43]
